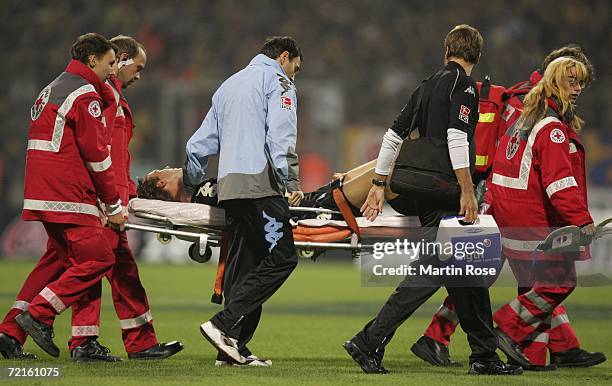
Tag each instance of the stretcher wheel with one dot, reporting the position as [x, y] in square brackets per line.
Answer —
[311, 254]
[164, 238]
[194, 253]
[306, 253]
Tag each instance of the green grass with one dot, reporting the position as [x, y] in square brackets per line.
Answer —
[302, 329]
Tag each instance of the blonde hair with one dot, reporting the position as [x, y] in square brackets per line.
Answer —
[554, 83]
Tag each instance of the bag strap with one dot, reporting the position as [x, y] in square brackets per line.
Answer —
[485, 89]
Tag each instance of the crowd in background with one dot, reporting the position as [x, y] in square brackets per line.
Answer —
[376, 51]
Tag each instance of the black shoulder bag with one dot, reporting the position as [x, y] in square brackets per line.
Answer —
[423, 167]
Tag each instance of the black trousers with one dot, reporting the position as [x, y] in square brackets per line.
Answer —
[473, 303]
[261, 257]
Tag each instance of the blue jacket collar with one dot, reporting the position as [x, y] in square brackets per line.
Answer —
[262, 59]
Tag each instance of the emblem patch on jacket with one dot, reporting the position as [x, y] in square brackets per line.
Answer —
[464, 114]
[285, 84]
[513, 144]
[286, 103]
[94, 109]
[557, 136]
[40, 103]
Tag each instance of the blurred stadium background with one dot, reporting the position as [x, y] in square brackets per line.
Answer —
[362, 60]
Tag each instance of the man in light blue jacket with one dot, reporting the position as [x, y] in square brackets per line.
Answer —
[252, 126]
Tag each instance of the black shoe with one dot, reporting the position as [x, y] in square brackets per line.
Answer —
[511, 349]
[41, 333]
[159, 351]
[434, 352]
[92, 351]
[577, 357]
[10, 348]
[369, 364]
[494, 368]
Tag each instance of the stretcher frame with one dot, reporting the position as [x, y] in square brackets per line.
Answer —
[571, 238]
[204, 237]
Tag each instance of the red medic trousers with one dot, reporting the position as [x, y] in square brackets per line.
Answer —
[86, 257]
[561, 336]
[129, 298]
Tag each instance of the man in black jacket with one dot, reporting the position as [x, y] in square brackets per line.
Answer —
[448, 111]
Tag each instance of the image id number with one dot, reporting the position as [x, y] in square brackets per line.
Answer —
[31, 372]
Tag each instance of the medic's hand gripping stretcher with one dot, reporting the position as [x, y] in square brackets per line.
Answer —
[571, 238]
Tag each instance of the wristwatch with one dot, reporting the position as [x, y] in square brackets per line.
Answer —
[377, 182]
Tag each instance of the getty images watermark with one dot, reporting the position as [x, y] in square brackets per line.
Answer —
[465, 262]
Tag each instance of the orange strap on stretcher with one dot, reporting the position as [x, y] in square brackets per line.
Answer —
[320, 234]
[217, 296]
[346, 211]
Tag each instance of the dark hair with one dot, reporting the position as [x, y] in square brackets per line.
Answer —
[147, 188]
[90, 44]
[573, 51]
[276, 45]
[126, 45]
[464, 42]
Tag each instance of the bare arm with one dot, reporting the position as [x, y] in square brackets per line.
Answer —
[467, 202]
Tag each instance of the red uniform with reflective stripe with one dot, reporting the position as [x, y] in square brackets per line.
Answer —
[538, 183]
[67, 162]
[129, 296]
[121, 132]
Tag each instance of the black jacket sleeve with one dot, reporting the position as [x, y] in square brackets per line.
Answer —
[401, 125]
[463, 113]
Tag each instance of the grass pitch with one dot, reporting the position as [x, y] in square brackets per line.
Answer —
[302, 329]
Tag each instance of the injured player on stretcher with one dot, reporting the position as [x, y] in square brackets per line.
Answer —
[167, 185]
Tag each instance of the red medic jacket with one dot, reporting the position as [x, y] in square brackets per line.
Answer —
[538, 182]
[68, 166]
[120, 126]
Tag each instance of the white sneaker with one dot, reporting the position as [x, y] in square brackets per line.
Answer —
[251, 360]
[222, 342]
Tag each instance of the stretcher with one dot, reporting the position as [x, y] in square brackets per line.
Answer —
[203, 225]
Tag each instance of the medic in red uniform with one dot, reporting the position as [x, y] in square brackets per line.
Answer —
[129, 296]
[539, 184]
[68, 173]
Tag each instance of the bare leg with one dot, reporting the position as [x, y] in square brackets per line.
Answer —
[357, 183]
[359, 170]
